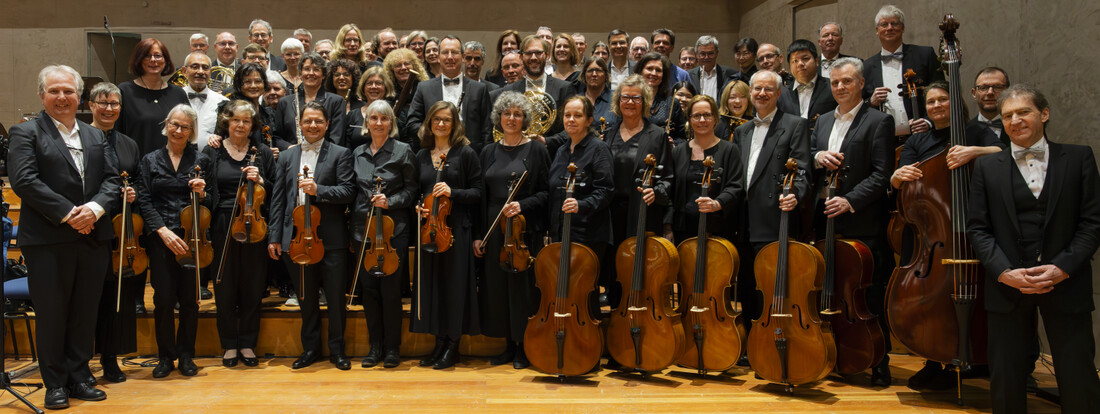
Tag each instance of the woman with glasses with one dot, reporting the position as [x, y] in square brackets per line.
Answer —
[687, 158]
[597, 89]
[342, 77]
[148, 97]
[349, 45]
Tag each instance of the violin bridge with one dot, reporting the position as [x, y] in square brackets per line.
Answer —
[781, 315]
[699, 309]
[562, 315]
[637, 309]
[830, 312]
[960, 262]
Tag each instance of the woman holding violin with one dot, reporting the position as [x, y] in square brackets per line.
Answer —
[164, 188]
[321, 171]
[240, 267]
[515, 170]
[445, 292]
[116, 331]
[393, 161]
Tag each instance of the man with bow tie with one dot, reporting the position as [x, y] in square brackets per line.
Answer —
[884, 72]
[469, 96]
[1034, 222]
[205, 101]
[831, 37]
[988, 85]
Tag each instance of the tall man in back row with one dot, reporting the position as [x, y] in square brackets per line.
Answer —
[67, 178]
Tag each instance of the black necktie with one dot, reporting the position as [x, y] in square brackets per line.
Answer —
[449, 82]
[192, 95]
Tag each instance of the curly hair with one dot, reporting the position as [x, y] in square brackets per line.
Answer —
[509, 100]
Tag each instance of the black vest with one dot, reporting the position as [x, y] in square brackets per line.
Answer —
[1030, 215]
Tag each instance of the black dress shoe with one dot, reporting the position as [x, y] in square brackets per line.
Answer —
[230, 362]
[111, 371]
[340, 361]
[206, 294]
[306, 359]
[164, 367]
[975, 371]
[250, 362]
[57, 398]
[507, 356]
[188, 367]
[880, 374]
[922, 378]
[139, 308]
[440, 343]
[392, 359]
[86, 392]
[520, 362]
[373, 357]
[449, 357]
[1032, 384]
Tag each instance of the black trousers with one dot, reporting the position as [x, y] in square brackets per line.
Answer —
[116, 332]
[66, 281]
[330, 272]
[172, 284]
[751, 301]
[238, 295]
[1071, 344]
[382, 298]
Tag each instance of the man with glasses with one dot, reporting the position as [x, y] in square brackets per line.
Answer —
[225, 49]
[988, 85]
[534, 53]
[259, 32]
[620, 65]
[254, 53]
[769, 57]
[469, 96]
[884, 72]
[205, 101]
[709, 77]
[744, 54]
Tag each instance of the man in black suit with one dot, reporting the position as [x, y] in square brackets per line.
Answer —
[988, 85]
[535, 77]
[259, 32]
[831, 37]
[862, 140]
[331, 188]
[766, 144]
[470, 96]
[709, 77]
[60, 167]
[884, 72]
[809, 95]
[1034, 222]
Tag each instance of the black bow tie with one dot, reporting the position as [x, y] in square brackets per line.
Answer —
[192, 95]
[995, 124]
[449, 82]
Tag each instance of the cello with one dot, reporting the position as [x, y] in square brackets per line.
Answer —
[128, 254]
[435, 234]
[933, 300]
[645, 333]
[711, 322]
[563, 337]
[248, 224]
[849, 270]
[306, 248]
[789, 344]
[195, 219]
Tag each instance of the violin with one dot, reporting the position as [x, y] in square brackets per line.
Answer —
[895, 231]
[382, 259]
[515, 257]
[911, 90]
[934, 299]
[563, 337]
[306, 248]
[195, 220]
[707, 265]
[645, 333]
[435, 234]
[248, 223]
[790, 344]
[128, 253]
[849, 270]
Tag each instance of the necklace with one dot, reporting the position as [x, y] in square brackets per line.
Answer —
[146, 86]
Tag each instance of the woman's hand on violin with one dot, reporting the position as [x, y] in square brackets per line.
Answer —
[648, 195]
[708, 205]
[441, 189]
[274, 250]
[906, 173]
[479, 250]
[570, 206]
[253, 173]
[197, 185]
[308, 186]
[172, 241]
[512, 209]
[214, 141]
[380, 201]
[788, 202]
[130, 194]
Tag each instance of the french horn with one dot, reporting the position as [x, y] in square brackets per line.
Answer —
[544, 111]
[221, 78]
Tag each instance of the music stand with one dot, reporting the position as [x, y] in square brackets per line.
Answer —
[5, 380]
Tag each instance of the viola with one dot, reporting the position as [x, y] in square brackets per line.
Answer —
[790, 344]
[435, 234]
[515, 257]
[128, 253]
[382, 258]
[707, 265]
[563, 337]
[306, 248]
[195, 219]
[248, 224]
[849, 270]
[645, 333]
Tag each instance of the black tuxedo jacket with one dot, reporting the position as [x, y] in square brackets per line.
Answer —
[723, 72]
[44, 175]
[821, 100]
[286, 116]
[334, 175]
[788, 137]
[558, 89]
[1071, 233]
[923, 61]
[868, 150]
[476, 108]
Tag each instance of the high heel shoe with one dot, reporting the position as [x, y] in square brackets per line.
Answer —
[440, 343]
[449, 357]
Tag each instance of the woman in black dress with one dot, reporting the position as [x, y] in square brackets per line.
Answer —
[508, 298]
[394, 161]
[445, 291]
[239, 291]
[373, 86]
[164, 189]
[116, 332]
[148, 97]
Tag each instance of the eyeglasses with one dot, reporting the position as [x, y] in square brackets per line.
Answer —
[532, 53]
[630, 98]
[768, 90]
[886, 24]
[442, 121]
[594, 70]
[702, 117]
[155, 57]
[178, 126]
[417, 44]
[109, 105]
[225, 43]
[313, 121]
[987, 88]
[260, 35]
[769, 56]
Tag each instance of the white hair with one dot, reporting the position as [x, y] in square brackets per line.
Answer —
[264, 23]
[848, 61]
[759, 75]
[889, 10]
[290, 44]
[190, 112]
[187, 60]
[197, 36]
[52, 69]
[706, 40]
[274, 76]
[637, 38]
[301, 31]
[839, 28]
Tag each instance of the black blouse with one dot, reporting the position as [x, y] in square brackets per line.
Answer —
[650, 140]
[355, 135]
[395, 163]
[143, 113]
[162, 190]
[211, 162]
[499, 162]
[727, 187]
[594, 188]
[462, 173]
[925, 145]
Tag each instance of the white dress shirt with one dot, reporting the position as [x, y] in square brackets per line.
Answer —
[76, 150]
[618, 74]
[827, 65]
[207, 111]
[895, 105]
[983, 119]
[759, 132]
[708, 82]
[805, 92]
[453, 93]
[1033, 168]
[841, 126]
[310, 152]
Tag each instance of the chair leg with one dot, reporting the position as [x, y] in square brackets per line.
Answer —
[14, 343]
[30, 338]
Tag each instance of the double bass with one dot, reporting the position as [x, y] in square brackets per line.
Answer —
[849, 270]
[435, 234]
[707, 264]
[563, 337]
[128, 254]
[306, 248]
[645, 333]
[933, 300]
[790, 344]
[195, 219]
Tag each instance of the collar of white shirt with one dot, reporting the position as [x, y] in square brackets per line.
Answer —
[539, 82]
[983, 119]
[850, 114]
[316, 146]
[1038, 145]
[704, 74]
[65, 132]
